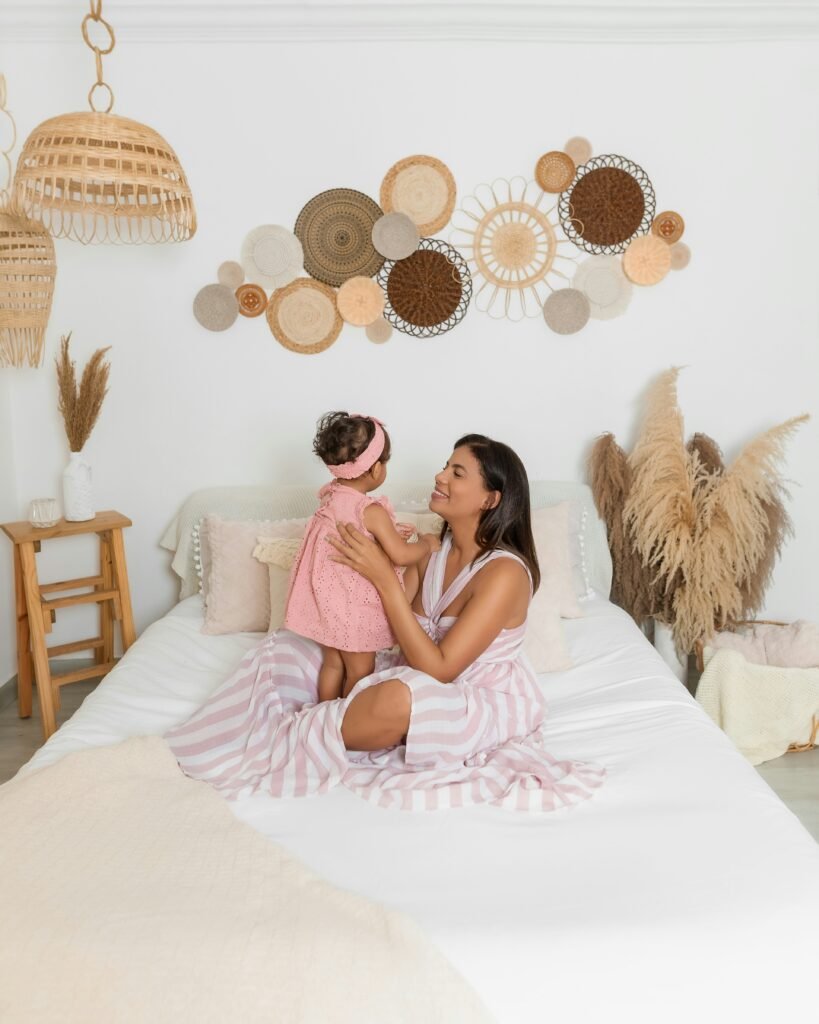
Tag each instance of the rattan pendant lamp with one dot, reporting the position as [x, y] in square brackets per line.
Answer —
[99, 177]
[27, 268]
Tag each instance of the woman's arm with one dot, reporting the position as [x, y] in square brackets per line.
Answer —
[400, 552]
[500, 588]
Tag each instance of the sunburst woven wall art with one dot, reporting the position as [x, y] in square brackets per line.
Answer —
[569, 246]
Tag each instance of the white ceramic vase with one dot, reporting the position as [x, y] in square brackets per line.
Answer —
[77, 499]
[664, 645]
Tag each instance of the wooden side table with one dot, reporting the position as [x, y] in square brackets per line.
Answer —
[36, 609]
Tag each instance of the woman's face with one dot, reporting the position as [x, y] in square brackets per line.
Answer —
[459, 488]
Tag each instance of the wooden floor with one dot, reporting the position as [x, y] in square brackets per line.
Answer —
[795, 777]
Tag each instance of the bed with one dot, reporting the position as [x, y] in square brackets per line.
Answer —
[684, 889]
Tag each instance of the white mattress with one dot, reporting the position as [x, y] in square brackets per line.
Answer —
[683, 890]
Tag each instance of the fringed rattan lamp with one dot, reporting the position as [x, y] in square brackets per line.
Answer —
[99, 177]
[27, 271]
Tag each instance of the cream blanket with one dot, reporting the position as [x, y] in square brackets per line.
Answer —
[763, 708]
[129, 893]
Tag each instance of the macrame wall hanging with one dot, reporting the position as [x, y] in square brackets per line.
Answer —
[99, 177]
[568, 246]
[27, 265]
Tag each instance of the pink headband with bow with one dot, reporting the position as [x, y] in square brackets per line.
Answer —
[367, 459]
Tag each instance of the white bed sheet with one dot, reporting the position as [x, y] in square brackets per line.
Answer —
[684, 889]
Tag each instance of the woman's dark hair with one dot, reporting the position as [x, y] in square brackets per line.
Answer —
[509, 524]
[341, 438]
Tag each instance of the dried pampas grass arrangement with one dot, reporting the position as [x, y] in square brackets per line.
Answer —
[693, 542]
[80, 405]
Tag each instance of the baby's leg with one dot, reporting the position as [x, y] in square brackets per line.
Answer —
[331, 674]
[357, 664]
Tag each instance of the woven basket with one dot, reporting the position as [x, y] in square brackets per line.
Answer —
[98, 177]
[732, 627]
[27, 271]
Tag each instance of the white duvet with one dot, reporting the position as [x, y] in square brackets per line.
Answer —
[683, 890]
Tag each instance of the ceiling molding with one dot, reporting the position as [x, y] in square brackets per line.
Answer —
[263, 21]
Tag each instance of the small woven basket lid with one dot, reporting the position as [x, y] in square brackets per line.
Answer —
[360, 301]
[423, 188]
[395, 236]
[669, 226]
[554, 171]
[566, 311]
[647, 260]
[602, 281]
[230, 273]
[579, 149]
[680, 256]
[379, 331]
[252, 299]
[336, 232]
[303, 316]
[216, 307]
[272, 256]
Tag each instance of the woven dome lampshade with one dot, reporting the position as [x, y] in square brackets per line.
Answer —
[27, 271]
[98, 177]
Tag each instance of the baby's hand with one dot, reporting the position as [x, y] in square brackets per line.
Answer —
[405, 530]
[432, 540]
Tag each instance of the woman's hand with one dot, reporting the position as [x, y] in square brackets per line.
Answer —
[362, 554]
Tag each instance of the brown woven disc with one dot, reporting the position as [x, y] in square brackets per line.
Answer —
[669, 226]
[423, 188]
[566, 311]
[335, 229]
[554, 171]
[252, 299]
[647, 260]
[303, 316]
[424, 289]
[607, 206]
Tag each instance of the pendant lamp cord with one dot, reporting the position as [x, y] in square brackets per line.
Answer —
[99, 53]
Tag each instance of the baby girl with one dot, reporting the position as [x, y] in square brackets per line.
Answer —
[331, 603]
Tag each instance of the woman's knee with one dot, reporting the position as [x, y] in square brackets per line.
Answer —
[392, 703]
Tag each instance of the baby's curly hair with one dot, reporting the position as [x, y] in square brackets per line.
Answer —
[341, 438]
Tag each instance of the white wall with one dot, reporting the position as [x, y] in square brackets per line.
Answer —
[9, 509]
[724, 130]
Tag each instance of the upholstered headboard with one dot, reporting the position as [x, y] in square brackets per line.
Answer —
[297, 502]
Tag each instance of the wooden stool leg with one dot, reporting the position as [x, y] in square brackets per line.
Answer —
[24, 664]
[38, 643]
[122, 585]
[105, 654]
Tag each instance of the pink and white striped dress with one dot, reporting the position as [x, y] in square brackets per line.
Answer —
[474, 740]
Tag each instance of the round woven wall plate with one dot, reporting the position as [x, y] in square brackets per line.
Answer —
[215, 307]
[272, 256]
[647, 260]
[579, 149]
[428, 293]
[669, 226]
[554, 171]
[336, 229]
[609, 202]
[602, 281]
[395, 236]
[230, 273]
[566, 311]
[379, 331]
[423, 188]
[680, 256]
[360, 301]
[303, 316]
[252, 299]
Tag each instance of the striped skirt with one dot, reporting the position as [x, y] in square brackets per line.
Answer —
[475, 740]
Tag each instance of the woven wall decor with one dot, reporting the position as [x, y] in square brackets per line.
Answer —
[680, 256]
[215, 307]
[579, 149]
[429, 292]
[395, 236]
[252, 300]
[335, 229]
[609, 202]
[379, 331]
[647, 260]
[602, 281]
[360, 301]
[423, 188]
[99, 177]
[566, 311]
[303, 316]
[554, 171]
[230, 273]
[28, 268]
[669, 226]
[509, 236]
[272, 256]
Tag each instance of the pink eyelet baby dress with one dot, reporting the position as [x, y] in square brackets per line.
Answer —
[329, 602]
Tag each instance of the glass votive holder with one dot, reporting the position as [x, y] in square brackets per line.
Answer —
[43, 512]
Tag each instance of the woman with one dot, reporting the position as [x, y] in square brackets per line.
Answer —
[453, 718]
